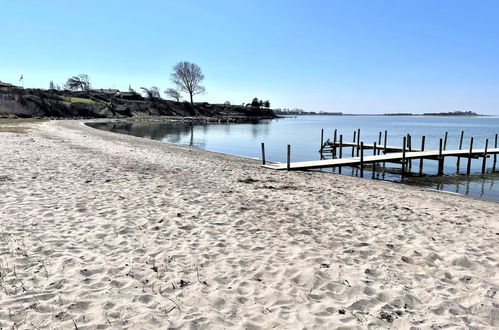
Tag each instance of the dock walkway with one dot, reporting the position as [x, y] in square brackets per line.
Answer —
[398, 158]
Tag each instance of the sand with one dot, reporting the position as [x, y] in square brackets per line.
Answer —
[101, 230]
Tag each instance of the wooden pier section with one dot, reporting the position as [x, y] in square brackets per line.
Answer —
[397, 158]
[384, 153]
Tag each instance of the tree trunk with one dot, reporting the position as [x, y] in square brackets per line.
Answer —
[191, 98]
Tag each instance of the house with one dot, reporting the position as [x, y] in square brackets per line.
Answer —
[7, 86]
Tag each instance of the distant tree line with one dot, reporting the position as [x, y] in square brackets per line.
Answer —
[450, 113]
[300, 112]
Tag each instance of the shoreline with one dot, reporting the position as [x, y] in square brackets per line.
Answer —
[202, 119]
[112, 230]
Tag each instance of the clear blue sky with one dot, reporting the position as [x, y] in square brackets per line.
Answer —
[351, 56]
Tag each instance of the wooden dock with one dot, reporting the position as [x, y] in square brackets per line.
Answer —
[397, 158]
[383, 153]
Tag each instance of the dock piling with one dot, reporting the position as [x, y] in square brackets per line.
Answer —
[440, 158]
[384, 148]
[445, 140]
[361, 159]
[484, 163]
[354, 140]
[358, 141]
[460, 148]
[322, 139]
[263, 153]
[288, 164]
[409, 146]
[468, 169]
[404, 144]
[495, 155]
[374, 163]
[423, 140]
[340, 151]
[334, 142]
[379, 142]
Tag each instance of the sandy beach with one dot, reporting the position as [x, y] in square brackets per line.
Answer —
[100, 230]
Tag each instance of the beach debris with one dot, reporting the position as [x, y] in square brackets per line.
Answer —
[491, 292]
[341, 311]
[325, 265]
[406, 259]
[183, 283]
[386, 316]
[247, 180]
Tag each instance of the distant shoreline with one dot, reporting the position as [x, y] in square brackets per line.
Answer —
[383, 115]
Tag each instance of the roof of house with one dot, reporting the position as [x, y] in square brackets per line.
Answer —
[2, 84]
[106, 90]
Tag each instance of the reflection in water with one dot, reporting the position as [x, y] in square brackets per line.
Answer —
[303, 133]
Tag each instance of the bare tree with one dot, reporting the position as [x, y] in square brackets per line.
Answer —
[174, 94]
[80, 81]
[187, 77]
[51, 85]
[151, 93]
[155, 92]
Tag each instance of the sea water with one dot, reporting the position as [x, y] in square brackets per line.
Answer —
[303, 133]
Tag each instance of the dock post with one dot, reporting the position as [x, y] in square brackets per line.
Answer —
[374, 163]
[263, 153]
[484, 164]
[384, 149]
[440, 159]
[341, 151]
[495, 156]
[379, 143]
[386, 138]
[422, 159]
[361, 159]
[445, 140]
[409, 146]
[403, 156]
[354, 140]
[288, 164]
[322, 144]
[358, 141]
[468, 169]
[334, 143]
[460, 147]
[322, 139]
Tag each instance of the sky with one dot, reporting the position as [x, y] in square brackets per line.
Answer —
[351, 56]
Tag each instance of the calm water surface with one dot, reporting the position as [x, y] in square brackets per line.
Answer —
[303, 133]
